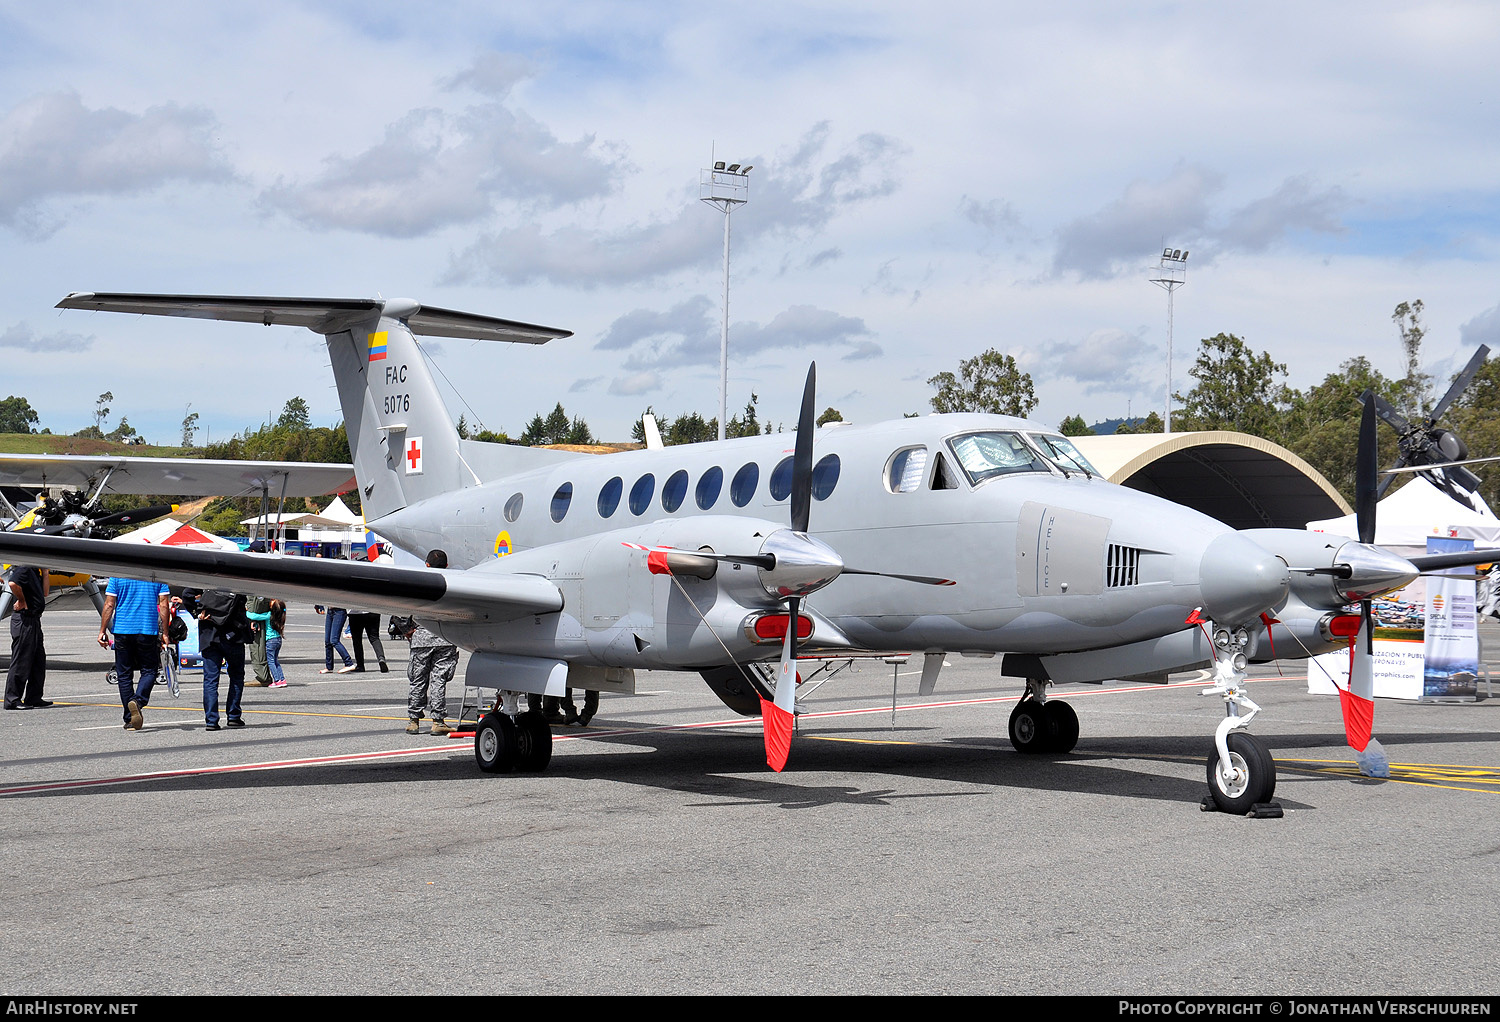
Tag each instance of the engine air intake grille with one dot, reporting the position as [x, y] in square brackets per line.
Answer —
[1123, 567]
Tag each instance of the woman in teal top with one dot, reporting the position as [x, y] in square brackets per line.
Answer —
[275, 621]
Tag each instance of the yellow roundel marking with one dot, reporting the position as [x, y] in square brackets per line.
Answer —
[502, 544]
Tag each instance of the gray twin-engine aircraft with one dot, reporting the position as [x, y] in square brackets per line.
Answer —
[970, 534]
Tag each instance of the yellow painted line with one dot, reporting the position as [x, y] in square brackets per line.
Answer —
[861, 741]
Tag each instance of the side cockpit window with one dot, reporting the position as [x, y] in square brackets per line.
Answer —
[994, 453]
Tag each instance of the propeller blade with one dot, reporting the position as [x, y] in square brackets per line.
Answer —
[1461, 382]
[140, 514]
[802, 457]
[926, 580]
[778, 718]
[1366, 475]
[1358, 701]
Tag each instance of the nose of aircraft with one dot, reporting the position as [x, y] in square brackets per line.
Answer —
[1239, 579]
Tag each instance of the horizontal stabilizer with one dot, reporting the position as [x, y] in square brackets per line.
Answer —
[321, 315]
[426, 593]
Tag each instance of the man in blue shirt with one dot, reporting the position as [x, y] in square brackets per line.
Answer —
[136, 612]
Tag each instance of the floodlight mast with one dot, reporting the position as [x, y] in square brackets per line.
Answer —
[1169, 275]
[725, 188]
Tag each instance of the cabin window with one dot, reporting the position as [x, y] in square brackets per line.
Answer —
[560, 501]
[781, 480]
[673, 491]
[609, 497]
[994, 453]
[1061, 450]
[641, 494]
[743, 486]
[905, 471]
[513, 507]
[709, 486]
[825, 476]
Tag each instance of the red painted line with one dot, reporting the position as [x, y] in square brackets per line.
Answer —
[355, 757]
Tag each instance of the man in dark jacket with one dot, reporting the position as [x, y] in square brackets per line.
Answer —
[28, 654]
[223, 630]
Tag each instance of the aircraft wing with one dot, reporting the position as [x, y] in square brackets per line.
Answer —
[187, 477]
[321, 315]
[426, 593]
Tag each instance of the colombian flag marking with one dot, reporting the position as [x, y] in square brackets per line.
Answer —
[502, 544]
[377, 346]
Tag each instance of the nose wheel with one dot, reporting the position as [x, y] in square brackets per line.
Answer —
[1247, 780]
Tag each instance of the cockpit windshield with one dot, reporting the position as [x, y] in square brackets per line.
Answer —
[1061, 450]
[988, 454]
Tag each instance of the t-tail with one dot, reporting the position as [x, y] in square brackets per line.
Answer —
[403, 442]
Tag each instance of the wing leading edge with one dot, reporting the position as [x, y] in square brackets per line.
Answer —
[186, 477]
[423, 592]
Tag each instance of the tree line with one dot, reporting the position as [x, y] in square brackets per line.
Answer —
[1237, 388]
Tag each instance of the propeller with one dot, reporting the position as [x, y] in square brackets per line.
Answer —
[1358, 701]
[1438, 454]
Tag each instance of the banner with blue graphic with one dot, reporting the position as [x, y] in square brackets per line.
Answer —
[1451, 643]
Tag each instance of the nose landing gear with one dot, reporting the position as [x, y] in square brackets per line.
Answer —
[1241, 772]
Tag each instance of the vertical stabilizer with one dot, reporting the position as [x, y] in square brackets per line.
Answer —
[404, 446]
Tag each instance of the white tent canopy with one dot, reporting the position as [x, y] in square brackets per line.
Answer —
[1416, 511]
[170, 532]
[338, 511]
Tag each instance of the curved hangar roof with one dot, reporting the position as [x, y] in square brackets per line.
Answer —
[1243, 481]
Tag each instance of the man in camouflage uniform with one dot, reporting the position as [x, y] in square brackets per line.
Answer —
[428, 671]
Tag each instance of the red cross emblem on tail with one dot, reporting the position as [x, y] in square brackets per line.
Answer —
[414, 456]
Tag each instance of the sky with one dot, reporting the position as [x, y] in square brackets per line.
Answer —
[929, 181]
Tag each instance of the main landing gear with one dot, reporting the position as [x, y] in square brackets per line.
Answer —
[1241, 772]
[502, 745]
[1038, 725]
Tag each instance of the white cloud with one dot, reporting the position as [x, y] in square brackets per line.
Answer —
[22, 337]
[795, 194]
[433, 169]
[53, 147]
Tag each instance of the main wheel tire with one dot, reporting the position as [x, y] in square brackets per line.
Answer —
[1064, 726]
[1031, 729]
[533, 742]
[1254, 777]
[495, 743]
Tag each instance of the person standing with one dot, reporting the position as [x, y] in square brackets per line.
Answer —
[362, 622]
[334, 619]
[429, 670]
[28, 653]
[258, 666]
[223, 630]
[272, 623]
[136, 612]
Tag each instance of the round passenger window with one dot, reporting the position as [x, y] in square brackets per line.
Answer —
[825, 476]
[709, 486]
[609, 497]
[743, 486]
[560, 501]
[641, 494]
[673, 491]
[781, 480]
[513, 507]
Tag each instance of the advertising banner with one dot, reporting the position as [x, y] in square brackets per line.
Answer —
[1451, 642]
[1399, 646]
